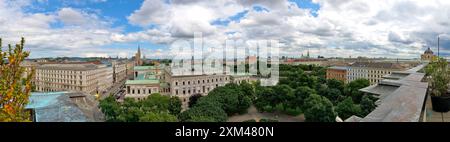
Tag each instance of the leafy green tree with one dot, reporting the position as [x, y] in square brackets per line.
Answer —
[319, 109]
[334, 95]
[174, 105]
[231, 98]
[301, 93]
[335, 84]
[352, 89]
[155, 102]
[367, 105]
[440, 77]
[163, 116]
[204, 112]
[13, 94]
[347, 108]
[266, 99]
[110, 108]
[193, 99]
[248, 89]
[130, 114]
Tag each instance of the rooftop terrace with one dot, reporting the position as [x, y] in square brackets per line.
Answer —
[401, 98]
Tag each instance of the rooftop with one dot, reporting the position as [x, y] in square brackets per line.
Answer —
[141, 82]
[64, 107]
[71, 66]
[400, 100]
[384, 65]
[338, 68]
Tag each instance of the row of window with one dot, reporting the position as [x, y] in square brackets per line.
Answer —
[188, 91]
[142, 91]
[202, 81]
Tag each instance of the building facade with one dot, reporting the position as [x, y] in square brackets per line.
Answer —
[338, 73]
[120, 71]
[87, 77]
[372, 71]
[161, 79]
[428, 55]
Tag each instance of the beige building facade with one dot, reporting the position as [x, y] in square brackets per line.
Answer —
[84, 77]
[372, 71]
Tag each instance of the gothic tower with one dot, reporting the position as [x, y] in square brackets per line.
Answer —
[137, 57]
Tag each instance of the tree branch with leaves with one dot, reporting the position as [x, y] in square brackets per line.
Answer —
[14, 89]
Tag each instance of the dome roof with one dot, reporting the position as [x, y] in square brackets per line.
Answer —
[428, 51]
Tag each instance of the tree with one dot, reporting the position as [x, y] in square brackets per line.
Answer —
[204, 112]
[155, 108]
[301, 94]
[155, 102]
[335, 84]
[347, 108]
[247, 89]
[367, 105]
[110, 108]
[352, 89]
[319, 109]
[440, 77]
[193, 99]
[13, 95]
[230, 97]
[158, 117]
[174, 105]
[334, 95]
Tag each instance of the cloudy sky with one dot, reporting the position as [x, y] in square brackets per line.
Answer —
[331, 28]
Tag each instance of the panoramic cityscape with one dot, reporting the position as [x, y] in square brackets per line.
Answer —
[224, 61]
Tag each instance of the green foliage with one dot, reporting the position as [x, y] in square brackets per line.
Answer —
[193, 99]
[352, 89]
[110, 108]
[219, 104]
[334, 95]
[440, 77]
[319, 109]
[155, 108]
[158, 117]
[248, 89]
[347, 108]
[14, 89]
[301, 93]
[204, 112]
[335, 84]
[367, 105]
[230, 97]
[174, 105]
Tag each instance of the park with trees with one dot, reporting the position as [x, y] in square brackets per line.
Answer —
[302, 89]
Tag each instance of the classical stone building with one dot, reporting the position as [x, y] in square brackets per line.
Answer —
[87, 77]
[164, 80]
[373, 71]
[119, 70]
[427, 55]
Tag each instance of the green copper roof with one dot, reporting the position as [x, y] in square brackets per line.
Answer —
[143, 67]
[141, 82]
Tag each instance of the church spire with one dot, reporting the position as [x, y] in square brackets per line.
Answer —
[139, 49]
[307, 54]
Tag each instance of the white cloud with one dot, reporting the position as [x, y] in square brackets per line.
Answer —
[341, 28]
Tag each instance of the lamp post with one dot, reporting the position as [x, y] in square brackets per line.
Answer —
[438, 45]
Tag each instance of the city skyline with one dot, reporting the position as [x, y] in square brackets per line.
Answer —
[106, 28]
